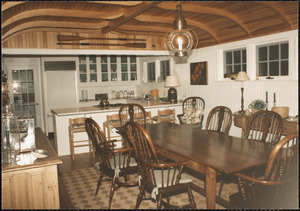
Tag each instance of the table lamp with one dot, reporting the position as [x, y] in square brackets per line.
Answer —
[242, 76]
[172, 81]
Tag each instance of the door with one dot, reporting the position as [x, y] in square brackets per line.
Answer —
[60, 92]
[25, 95]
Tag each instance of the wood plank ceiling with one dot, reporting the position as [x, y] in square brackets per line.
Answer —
[36, 24]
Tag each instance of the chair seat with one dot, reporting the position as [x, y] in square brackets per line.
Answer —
[185, 178]
[155, 118]
[113, 123]
[117, 166]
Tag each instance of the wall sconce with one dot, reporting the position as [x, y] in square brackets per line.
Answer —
[242, 76]
[171, 82]
[181, 41]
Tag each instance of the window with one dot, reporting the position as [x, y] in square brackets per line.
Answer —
[235, 61]
[164, 69]
[273, 59]
[151, 71]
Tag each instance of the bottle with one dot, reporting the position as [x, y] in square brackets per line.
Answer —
[144, 94]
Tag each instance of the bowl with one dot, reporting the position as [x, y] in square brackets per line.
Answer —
[40, 153]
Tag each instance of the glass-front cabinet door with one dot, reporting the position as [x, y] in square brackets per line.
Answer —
[93, 68]
[104, 68]
[113, 68]
[107, 68]
[124, 68]
[133, 68]
[88, 69]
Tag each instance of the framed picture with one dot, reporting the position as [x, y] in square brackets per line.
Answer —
[199, 73]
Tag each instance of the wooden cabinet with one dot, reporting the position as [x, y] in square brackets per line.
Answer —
[242, 121]
[32, 186]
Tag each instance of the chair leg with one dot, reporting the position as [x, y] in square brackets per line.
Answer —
[221, 187]
[112, 190]
[140, 197]
[99, 182]
[191, 198]
[159, 201]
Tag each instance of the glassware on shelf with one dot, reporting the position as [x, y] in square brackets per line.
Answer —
[132, 94]
[113, 94]
[84, 95]
[125, 94]
[118, 95]
[121, 94]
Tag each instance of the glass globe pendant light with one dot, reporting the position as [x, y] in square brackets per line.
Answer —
[181, 40]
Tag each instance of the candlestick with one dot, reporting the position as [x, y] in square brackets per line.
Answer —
[274, 97]
[266, 97]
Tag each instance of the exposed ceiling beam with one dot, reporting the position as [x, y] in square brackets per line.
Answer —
[129, 14]
[211, 11]
[53, 26]
[278, 11]
[61, 13]
[123, 3]
[156, 19]
[6, 5]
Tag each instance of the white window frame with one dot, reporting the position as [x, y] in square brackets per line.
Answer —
[251, 45]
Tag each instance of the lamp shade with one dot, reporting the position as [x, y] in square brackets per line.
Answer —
[242, 76]
[172, 81]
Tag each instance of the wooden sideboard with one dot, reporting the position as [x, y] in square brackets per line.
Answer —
[241, 121]
[32, 186]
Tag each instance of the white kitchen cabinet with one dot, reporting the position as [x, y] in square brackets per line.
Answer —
[88, 69]
[62, 116]
[95, 70]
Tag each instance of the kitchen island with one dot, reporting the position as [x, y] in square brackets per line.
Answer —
[32, 183]
[61, 120]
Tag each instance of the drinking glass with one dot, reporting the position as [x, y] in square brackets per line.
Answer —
[11, 140]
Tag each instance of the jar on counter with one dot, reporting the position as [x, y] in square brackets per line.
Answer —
[125, 94]
[113, 94]
[118, 95]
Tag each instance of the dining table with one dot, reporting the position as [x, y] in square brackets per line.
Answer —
[208, 152]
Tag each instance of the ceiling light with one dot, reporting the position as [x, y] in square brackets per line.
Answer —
[181, 41]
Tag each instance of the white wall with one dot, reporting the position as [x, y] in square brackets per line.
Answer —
[218, 91]
[228, 92]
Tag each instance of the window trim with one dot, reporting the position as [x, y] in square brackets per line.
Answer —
[268, 60]
[291, 37]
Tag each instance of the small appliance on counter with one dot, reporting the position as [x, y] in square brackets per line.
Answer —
[103, 99]
[101, 96]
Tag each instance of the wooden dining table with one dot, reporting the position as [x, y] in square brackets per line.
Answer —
[208, 152]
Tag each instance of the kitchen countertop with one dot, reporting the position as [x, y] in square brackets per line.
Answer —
[95, 109]
[41, 142]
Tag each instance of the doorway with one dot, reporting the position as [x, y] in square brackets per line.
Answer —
[24, 92]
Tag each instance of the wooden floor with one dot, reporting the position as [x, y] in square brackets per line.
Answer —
[83, 160]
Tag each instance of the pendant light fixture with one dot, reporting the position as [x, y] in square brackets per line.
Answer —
[181, 41]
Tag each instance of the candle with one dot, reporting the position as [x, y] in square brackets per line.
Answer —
[274, 97]
[179, 44]
[266, 97]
